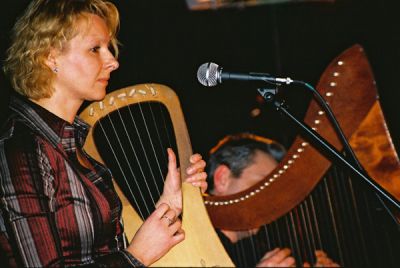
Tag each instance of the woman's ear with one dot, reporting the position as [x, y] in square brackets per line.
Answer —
[51, 60]
[221, 179]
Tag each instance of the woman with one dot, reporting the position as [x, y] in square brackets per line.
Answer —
[58, 205]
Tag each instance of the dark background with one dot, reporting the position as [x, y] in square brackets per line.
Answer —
[164, 42]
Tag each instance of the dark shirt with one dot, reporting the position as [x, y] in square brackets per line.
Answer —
[53, 210]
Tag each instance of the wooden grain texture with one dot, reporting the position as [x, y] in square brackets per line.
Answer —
[201, 246]
[348, 86]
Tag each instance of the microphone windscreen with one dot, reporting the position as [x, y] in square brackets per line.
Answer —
[208, 73]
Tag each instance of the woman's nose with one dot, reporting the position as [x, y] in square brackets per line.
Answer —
[111, 63]
[114, 65]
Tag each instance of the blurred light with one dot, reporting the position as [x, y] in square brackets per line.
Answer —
[215, 4]
[260, 99]
[255, 112]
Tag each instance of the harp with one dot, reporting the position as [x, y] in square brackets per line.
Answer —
[131, 130]
[306, 204]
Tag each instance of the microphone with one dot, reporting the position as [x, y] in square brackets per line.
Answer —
[210, 74]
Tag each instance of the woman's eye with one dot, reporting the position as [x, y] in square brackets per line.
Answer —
[95, 49]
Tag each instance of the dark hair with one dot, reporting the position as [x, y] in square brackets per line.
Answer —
[238, 151]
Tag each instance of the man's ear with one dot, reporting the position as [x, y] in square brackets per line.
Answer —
[221, 179]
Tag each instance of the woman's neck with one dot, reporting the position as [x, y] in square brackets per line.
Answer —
[61, 107]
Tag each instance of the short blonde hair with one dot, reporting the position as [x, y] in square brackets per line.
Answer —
[48, 24]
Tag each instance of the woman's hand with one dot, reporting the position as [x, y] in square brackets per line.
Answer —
[196, 175]
[172, 193]
[157, 235]
[162, 229]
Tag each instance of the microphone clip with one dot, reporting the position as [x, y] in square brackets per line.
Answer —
[268, 93]
[270, 96]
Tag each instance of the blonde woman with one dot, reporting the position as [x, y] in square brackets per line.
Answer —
[58, 206]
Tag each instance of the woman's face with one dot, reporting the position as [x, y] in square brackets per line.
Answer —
[85, 64]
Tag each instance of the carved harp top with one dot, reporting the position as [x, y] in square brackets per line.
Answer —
[201, 246]
[349, 87]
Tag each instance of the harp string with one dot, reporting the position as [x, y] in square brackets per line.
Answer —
[278, 237]
[254, 247]
[345, 201]
[150, 139]
[303, 234]
[267, 237]
[144, 151]
[145, 154]
[314, 222]
[308, 234]
[128, 148]
[356, 207]
[329, 210]
[242, 255]
[120, 167]
[294, 235]
[165, 128]
[312, 226]
[135, 153]
[341, 217]
[332, 205]
[164, 154]
[159, 138]
[127, 160]
[152, 147]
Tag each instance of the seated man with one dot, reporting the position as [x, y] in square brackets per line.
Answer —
[236, 163]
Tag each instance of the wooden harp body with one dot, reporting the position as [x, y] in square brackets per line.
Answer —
[156, 122]
[319, 209]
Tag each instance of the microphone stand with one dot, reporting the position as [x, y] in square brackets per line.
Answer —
[324, 145]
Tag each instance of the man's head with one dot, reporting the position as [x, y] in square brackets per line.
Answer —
[239, 161]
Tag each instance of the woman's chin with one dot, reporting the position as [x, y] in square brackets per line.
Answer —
[100, 95]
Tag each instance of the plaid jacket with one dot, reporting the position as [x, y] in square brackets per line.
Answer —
[53, 210]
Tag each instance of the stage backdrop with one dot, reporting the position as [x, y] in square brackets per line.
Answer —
[165, 42]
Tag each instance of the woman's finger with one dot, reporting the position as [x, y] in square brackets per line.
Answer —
[196, 167]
